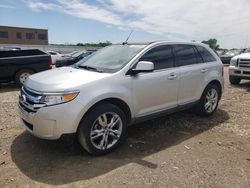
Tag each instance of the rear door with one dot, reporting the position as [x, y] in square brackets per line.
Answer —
[192, 69]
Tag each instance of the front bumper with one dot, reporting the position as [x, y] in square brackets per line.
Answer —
[53, 121]
[239, 72]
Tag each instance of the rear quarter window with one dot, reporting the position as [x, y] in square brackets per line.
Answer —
[205, 54]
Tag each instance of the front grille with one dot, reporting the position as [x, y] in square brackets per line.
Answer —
[29, 100]
[244, 63]
[246, 72]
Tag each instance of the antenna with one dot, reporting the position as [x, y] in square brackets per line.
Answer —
[126, 41]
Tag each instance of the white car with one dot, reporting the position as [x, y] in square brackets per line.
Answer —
[55, 56]
[118, 86]
[240, 67]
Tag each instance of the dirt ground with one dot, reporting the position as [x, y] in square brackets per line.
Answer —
[180, 150]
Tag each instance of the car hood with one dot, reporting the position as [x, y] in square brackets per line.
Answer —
[227, 55]
[244, 55]
[62, 79]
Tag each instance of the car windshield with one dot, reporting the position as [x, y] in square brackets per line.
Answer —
[111, 58]
[233, 52]
[76, 54]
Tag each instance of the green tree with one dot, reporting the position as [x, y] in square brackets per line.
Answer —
[212, 43]
[98, 45]
[79, 44]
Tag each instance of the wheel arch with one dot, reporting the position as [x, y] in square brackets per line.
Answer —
[23, 68]
[218, 84]
[117, 102]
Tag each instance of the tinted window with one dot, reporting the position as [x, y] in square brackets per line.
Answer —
[161, 56]
[4, 34]
[30, 36]
[19, 35]
[42, 37]
[185, 55]
[198, 56]
[206, 55]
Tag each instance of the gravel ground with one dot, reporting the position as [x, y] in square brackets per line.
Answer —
[180, 150]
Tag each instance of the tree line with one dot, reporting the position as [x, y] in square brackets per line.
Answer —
[100, 44]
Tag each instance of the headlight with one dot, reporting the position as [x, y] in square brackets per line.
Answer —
[53, 99]
[233, 62]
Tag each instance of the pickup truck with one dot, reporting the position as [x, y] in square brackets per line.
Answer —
[240, 67]
[19, 65]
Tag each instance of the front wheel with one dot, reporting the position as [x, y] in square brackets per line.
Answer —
[234, 80]
[209, 101]
[102, 129]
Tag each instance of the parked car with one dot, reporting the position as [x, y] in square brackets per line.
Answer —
[240, 67]
[70, 54]
[118, 86]
[19, 65]
[72, 59]
[55, 56]
[220, 52]
[226, 58]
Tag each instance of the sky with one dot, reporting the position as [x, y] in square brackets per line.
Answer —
[74, 21]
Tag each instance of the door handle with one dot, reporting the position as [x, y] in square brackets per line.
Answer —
[172, 76]
[204, 70]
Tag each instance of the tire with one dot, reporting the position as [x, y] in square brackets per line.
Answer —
[22, 75]
[202, 108]
[94, 123]
[234, 80]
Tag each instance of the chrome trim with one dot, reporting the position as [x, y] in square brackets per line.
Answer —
[244, 63]
[51, 93]
[32, 98]
[27, 116]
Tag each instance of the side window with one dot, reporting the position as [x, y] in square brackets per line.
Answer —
[198, 56]
[206, 55]
[161, 56]
[185, 55]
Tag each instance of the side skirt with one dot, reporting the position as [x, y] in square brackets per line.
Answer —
[163, 113]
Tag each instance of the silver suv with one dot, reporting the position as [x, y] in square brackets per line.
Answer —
[118, 86]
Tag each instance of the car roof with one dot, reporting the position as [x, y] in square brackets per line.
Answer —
[166, 42]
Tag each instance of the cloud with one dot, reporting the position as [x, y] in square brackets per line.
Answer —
[39, 6]
[77, 9]
[184, 19]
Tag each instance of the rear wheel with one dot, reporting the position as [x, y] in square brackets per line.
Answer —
[234, 80]
[209, 101]
[103, 129]
[22, 75]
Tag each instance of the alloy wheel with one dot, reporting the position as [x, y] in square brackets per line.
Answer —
[106, 130]
[211, 100]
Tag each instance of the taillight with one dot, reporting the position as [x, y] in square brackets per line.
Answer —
[222, 71]
[50, 63]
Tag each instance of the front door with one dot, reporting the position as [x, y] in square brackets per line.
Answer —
[157, 90]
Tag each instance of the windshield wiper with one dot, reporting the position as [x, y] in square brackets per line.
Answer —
[90, 68]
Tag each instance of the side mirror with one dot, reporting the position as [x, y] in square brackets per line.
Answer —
[142, 66]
